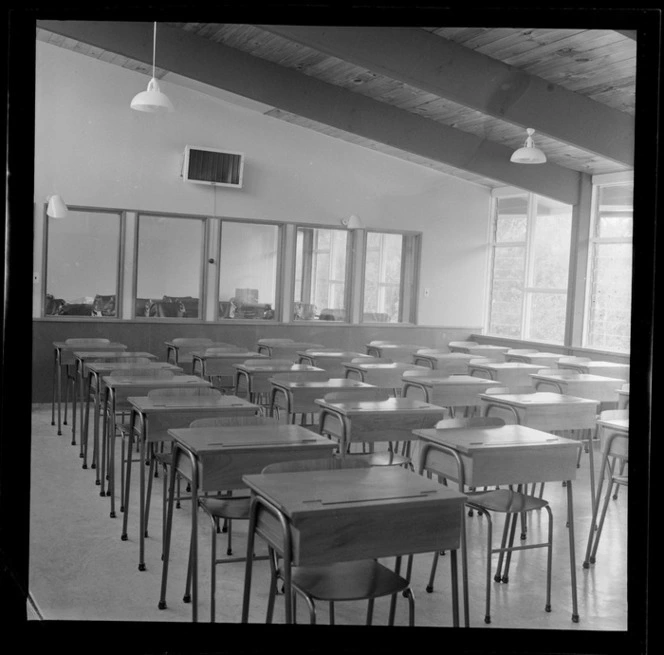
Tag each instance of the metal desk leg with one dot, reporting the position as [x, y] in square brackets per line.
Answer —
[55, 385]
[455, 589]
[141, 500]
[572, 555]
[124, 501]
[167, 532]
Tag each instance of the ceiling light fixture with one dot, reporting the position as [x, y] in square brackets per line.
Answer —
[56, 207]
[352, 222]
[529, 154]
[152, 100]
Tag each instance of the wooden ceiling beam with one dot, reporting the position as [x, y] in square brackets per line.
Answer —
[439, 66]
[227, 68]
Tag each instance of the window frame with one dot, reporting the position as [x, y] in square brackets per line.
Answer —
[119, 286]
[599, 182]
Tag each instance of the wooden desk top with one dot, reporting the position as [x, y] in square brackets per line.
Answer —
[118, 382]
[61, 345]
[444, 356]
[450, 380]
[537, 399]
[488, 348]
[230, 354]
[618, 424]
[332, 384]
[593, 364]
[396, 346]
[581, 377]
[278, 368]
[241, 438]
[394, 366]
[393, 406]
[85, 354]
[107, 367]
[471, 441]
[356, 491]
[530, 357]
[501, 366]
[323, 354]
[166, 404]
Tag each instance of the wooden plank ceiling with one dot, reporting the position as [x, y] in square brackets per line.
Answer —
[444, 76]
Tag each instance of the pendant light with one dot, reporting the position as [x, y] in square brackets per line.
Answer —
[353, 222]
[152, 100]
[56, 207]
[529, 154]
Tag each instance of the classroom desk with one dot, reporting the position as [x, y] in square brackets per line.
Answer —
[511, 374]
[384, 376]
[81, 358]
[264, 345]
[288, 350]
[449, 391]
[330, 360]
[216, 459]
[397, 352]
[187, 410]
[583, 385]
[257, 376]
[550, 412]
[220, 364]
[324, 517]
[300, 396]
[494, 353]
[608, 369]
[449, 362]
[545, 359]
[614, 436]
[95, 371]
[510, 454]
[118, 386]
[63, 357]
[367, 421]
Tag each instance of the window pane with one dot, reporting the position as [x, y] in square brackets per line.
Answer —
[82, 264]
[382, 282]
[611, 294]
[551, 245]
[248, 270]
[614, 218]
[320, 275]
[169, 267]
[511, 218]
[546, 317]
[507, 291]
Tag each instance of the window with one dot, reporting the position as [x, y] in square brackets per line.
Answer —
[248, 270]
[169, 267]
[83, 255]
[609, 297]
[389, 277]
[321, 263]
[531, 249]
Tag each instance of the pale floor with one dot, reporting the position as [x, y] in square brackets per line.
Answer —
[80, 569]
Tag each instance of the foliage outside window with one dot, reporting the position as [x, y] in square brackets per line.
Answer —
[321, 264]
[530, 267]
[608, 306]
[248, 270]
[169, 267]
[82, 264]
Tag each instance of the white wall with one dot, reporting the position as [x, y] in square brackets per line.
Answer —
[93, 150]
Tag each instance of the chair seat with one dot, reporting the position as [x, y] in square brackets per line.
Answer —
[506, 501]
[227, 508]
[620, 479]
[347, 581]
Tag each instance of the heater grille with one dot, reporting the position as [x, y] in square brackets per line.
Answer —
[210, 166]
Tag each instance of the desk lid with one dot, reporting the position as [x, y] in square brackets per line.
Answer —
[539, 398]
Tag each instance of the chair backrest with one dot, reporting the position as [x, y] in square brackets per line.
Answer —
[160, 373]
[474, 422]
[322, 464]
[462, 344]
[302, 376]
[232, 421]
[86, 342]
[614, 414]
[174, 394]
[359, 395]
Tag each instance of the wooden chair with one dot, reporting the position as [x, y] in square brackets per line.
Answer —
[185, 346]
[259, 388]
[615, 449]
[342, 581]
[503, 501]
[280, 400]
[226, 508]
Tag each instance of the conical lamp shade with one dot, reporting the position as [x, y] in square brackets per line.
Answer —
[353, 222]
[152, 100]
[56, 207]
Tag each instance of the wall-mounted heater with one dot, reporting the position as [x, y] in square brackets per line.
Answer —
[210, 166]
